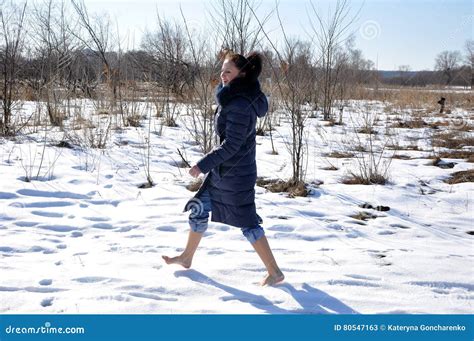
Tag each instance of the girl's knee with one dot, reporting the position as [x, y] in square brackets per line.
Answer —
[253, 233]
[199, 227]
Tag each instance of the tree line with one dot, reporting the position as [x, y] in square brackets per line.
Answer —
[53, 52]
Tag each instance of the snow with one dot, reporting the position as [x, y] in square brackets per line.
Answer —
[85, 239]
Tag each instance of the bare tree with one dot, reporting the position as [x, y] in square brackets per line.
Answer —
[355, 71]
[292, 78]
[54, 45]
[100, 42]
[469, 58]
[204, 62]
[447, 62]
[12, 38]
[233, 21]
[330, 35]
[167, 48]
[294, 93]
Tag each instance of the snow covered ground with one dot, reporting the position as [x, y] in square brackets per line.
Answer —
[86, 239]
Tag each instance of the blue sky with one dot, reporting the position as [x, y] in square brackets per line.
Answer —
[389, 32]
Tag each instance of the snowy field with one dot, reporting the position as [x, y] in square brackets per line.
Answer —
[85, 239]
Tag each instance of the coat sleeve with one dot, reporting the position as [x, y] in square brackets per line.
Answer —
[235, 136]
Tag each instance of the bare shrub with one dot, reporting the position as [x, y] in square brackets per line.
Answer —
[96, 135]
[372, 166]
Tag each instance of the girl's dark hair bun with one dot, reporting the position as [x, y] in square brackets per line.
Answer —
[250, 65]
[255, 59]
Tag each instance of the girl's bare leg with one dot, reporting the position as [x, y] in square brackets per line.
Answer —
[274, 275]
[186, 258]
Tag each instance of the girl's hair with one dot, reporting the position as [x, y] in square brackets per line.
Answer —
[251, 65]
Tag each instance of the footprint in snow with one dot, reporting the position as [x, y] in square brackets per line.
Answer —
[58, 228]
[48, 214]
[76, 234]
[6, 195]
[386, 233]
[25, 223]
[127, 228]
[166, 228]
[281, 228]
[215, 252]
[97, 219]
[94, 279]
[45, 282]
[353, 283]
[47, 302]
[52, 194]
[103, 226]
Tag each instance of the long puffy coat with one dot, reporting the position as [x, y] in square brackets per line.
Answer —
[231, 167]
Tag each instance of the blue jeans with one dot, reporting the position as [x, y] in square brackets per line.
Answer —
[199, 217]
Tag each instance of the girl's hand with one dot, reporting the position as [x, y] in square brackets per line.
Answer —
[195, 171]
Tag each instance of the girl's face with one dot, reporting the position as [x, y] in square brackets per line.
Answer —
[228, 72]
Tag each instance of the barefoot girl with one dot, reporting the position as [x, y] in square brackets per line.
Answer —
[228, 190]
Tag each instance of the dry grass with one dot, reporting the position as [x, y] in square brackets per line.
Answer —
[340, 155]
[418, 123]
[460, 177]
[367, 130]
[438, 124]
[374, 179]
[407, 147]
[415, 98]
[333, 122]
[27, 93]
[194, 185]
[364, 216]
[293, 189]
[410, 124]
[360, 148]
[452, 140]
[401, 157]
[133, 121]
[465, 154]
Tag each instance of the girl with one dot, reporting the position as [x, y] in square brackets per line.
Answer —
[228, 189]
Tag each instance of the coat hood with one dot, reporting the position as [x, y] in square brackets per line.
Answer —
[239, 87]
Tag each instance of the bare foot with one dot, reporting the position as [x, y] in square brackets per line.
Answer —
[185, 263]
[272, 280]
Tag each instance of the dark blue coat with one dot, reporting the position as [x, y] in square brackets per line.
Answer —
[231, 166]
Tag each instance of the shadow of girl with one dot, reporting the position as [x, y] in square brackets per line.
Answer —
[257, 301]
[315, 301]
[311, 300]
